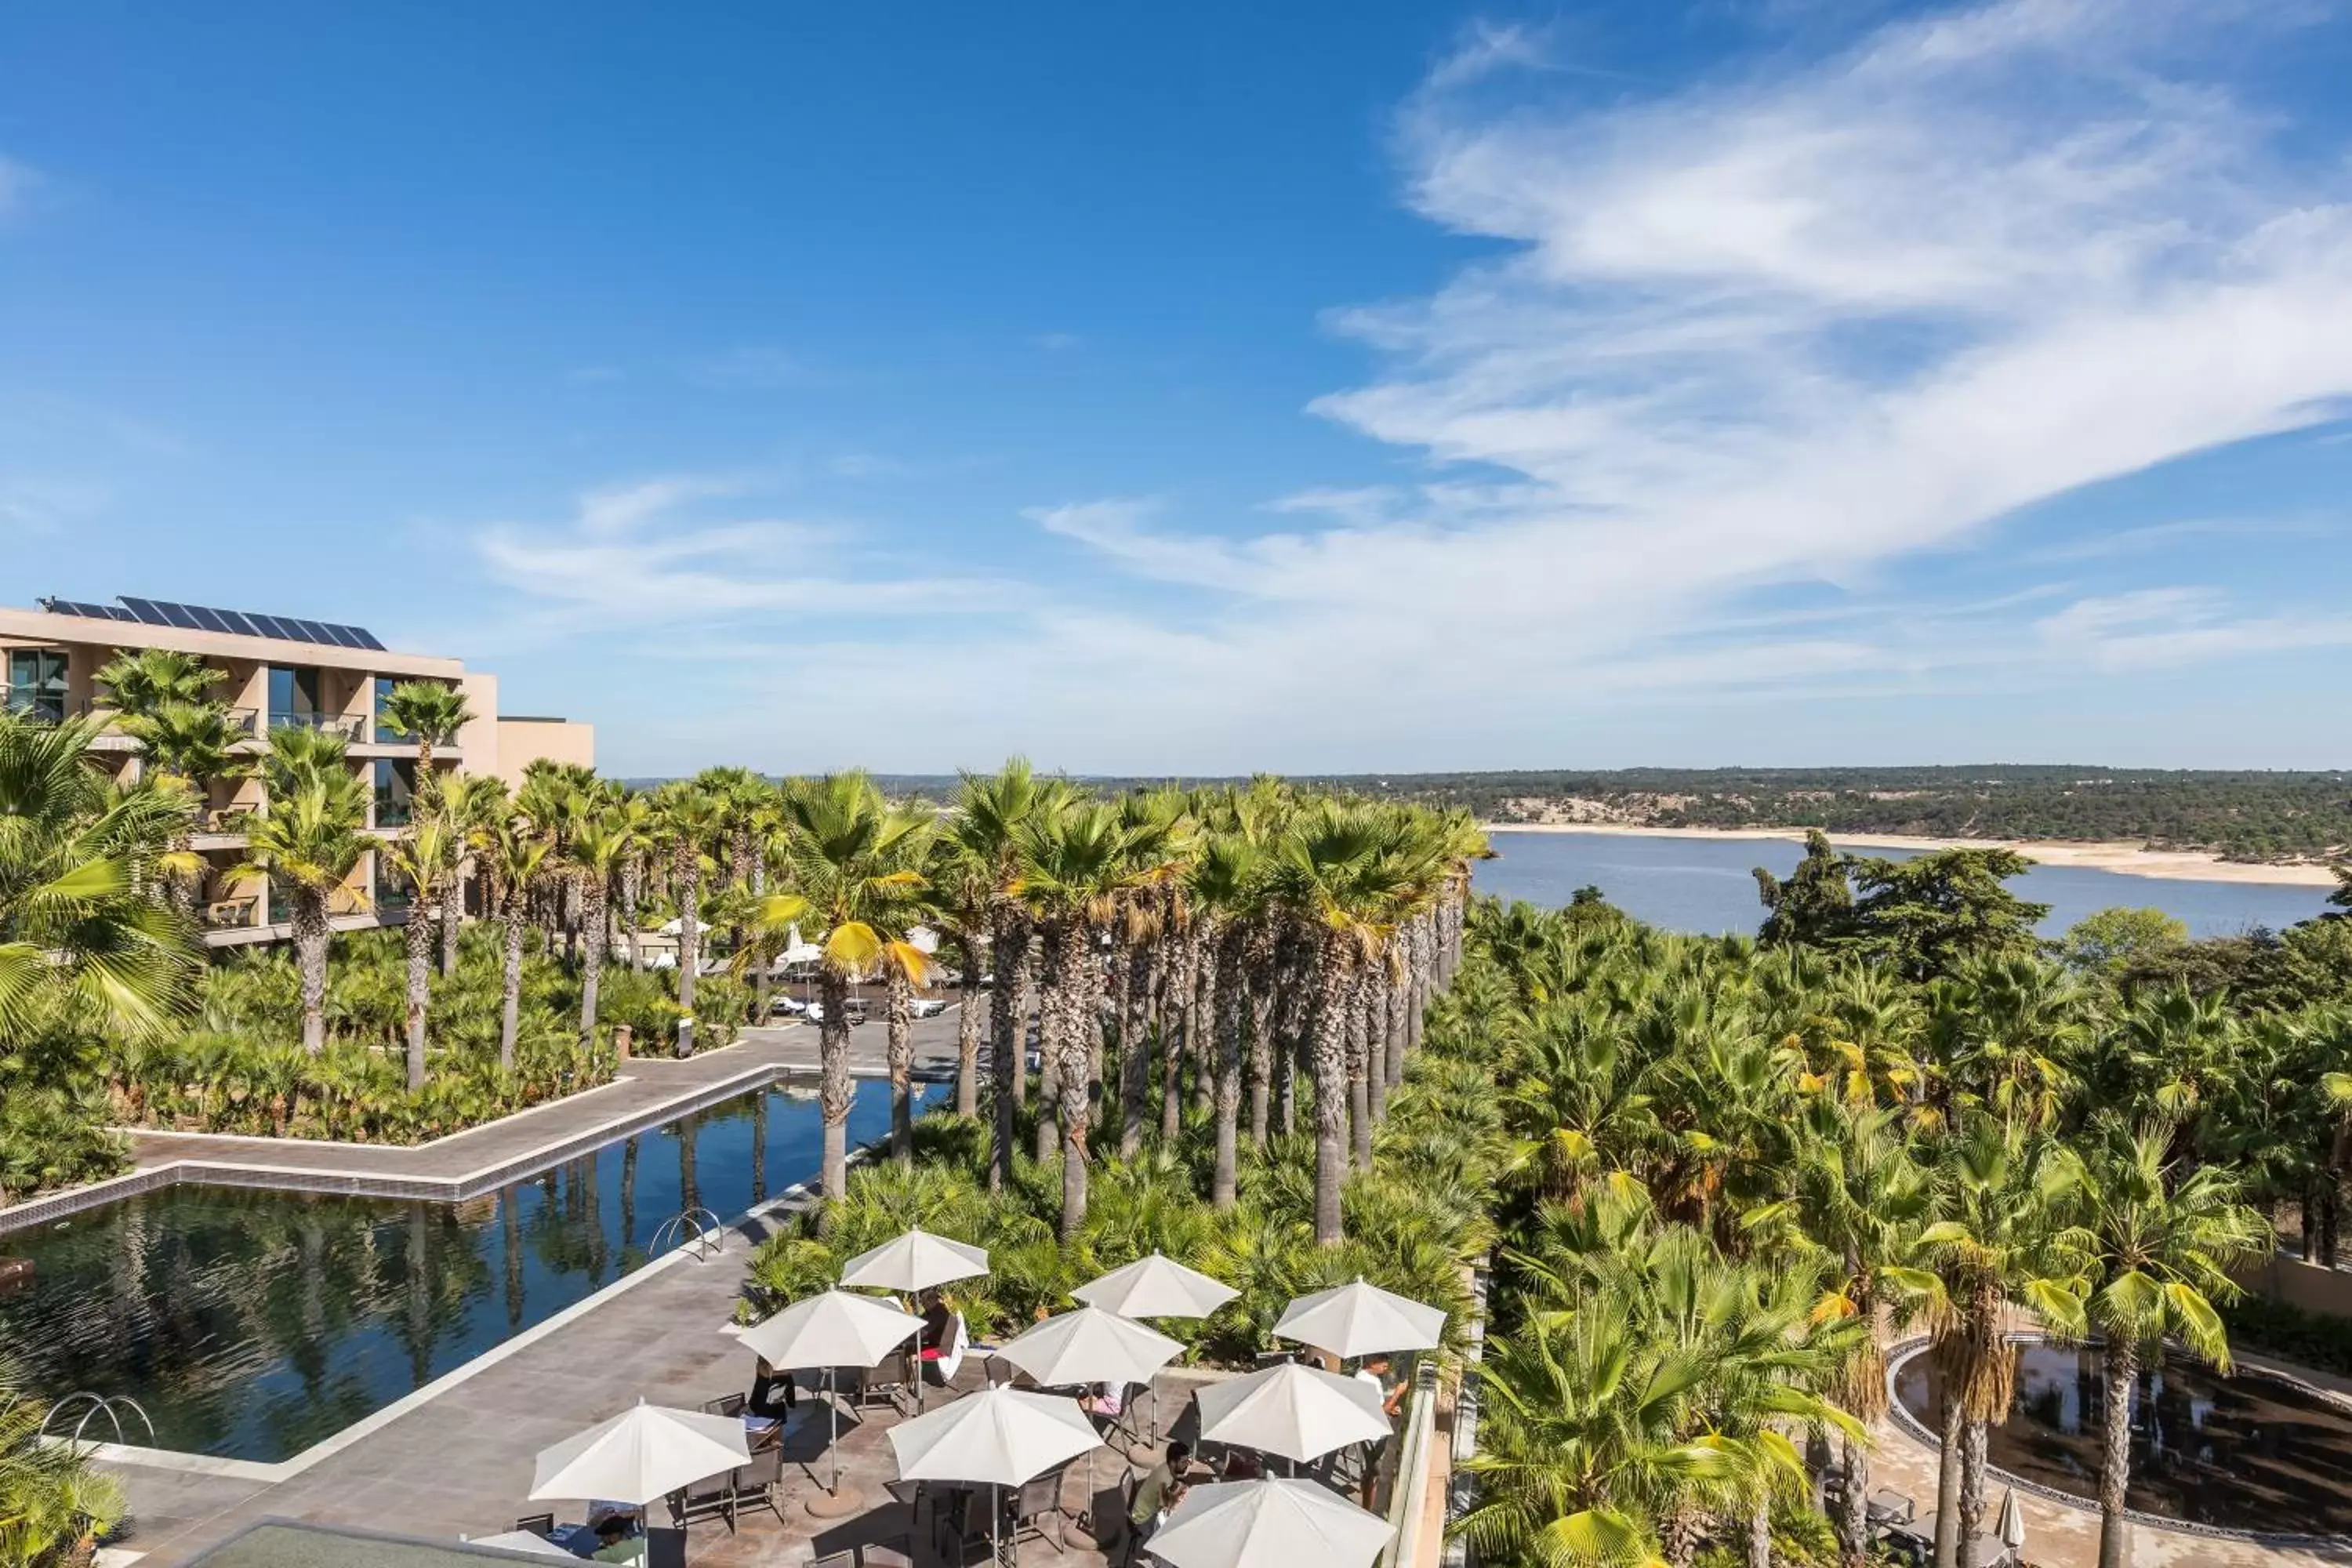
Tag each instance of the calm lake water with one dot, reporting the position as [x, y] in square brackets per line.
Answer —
[1708, 885]
[252, 1324]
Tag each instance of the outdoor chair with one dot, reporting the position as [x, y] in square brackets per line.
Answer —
[725, 1405]
[760, 1484]
[713, 1499]
[665, 1549]
[892, 1552]
[536, 1524]
[1038, 1496]
[887, 1384]
[961, 1528]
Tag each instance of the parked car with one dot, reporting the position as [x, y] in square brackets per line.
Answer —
[789, 1007]
[853, 1010]
[929, 1006]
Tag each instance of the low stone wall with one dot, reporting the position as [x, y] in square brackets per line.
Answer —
[2307, 1287]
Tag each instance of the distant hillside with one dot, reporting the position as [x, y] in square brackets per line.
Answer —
[2240, 815]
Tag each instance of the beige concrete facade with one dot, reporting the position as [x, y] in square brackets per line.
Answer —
[338, 690]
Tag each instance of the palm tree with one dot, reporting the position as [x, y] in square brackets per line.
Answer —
[515, 856]
[1074, 865]
[962, 890]
[432, 713]
[850, 857]
[1863, 1202]
[600, 846]
[2161, 1240]
[74, 929]
[689, 821]
[2001, 1245]
[195, 745]
[54, 1504]
[426, 857]
[469, 803]
[308, 837]
[1230, 884]
[986, 825]
[149, 678]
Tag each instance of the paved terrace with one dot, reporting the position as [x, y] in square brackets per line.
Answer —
[651, 1090]
[457, 1460]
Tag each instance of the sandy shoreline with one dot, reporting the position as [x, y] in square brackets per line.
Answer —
[2130, 860]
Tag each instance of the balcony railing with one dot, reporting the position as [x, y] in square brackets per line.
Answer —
[343, 724]
[46, 707]
[229, 914]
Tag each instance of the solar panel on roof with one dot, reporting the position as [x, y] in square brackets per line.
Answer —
[313, 631]
[95, 612]
[263, 626]
[237, 623]
[367, 640]
[117, 612]
[341, 636]
[146, 611]
[209, 619]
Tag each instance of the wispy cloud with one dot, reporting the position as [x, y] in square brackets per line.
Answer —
[750, 368]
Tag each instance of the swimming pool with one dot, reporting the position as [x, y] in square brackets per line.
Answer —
[251, 1324]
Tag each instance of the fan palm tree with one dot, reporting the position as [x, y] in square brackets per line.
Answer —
[2001, 1244]
[74, 929]
[689, 820]
[469, 802]
[1863, 1202]
[147, 680]
[1074, 865]
[426, 857]
[516, 857]
[1229, 882]
[600, 846]
[431, 713]
[2160, 1240]
[308, 837]
[193, 745]
[851, 862]
[961, 894]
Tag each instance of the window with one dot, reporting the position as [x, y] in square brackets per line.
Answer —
[394, 893]
[395, 788]
[384, 733]
[37, 683]
[281, 908]
[293, 697]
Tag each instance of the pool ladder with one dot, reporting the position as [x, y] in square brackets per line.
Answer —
[94, 1406]
[696, 1227]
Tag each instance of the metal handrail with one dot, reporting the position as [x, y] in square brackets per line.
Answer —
[687, 1229]
[110, 1406]
[347, 725]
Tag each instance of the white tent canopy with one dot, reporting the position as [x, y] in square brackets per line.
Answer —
[1156, 1287]
[1090, 1345]
[646, 1452]
[832, 1329]
[915, 1261]
[1299, 1411]
[1361, 1319]
[1268, 1524]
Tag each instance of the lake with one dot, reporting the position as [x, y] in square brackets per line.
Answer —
[1708, 885]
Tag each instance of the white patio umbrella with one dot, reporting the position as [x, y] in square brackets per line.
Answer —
[915, 1261]
[647, 1451]
[2013, 1522]
[829, 1329]
[1268, 1524]
[1156, 1287]
[1090, 1345]
[1361, 1319]
[999, 1436]
[1299, 1411]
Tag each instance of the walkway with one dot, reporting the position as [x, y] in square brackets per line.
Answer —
[651, 1090]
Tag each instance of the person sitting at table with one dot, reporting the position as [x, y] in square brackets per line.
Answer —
[938, 1321]
[615, 1542]
[1150, 1504]
[1104, 1401]
[765, 1381]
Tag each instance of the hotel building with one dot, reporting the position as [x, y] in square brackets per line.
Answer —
[279, 672]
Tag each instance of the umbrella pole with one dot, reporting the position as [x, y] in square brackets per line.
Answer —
[833, 1431]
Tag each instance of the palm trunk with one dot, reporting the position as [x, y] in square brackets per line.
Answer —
[1376, 1037]
[1759, 1533]
[591, 977]
[1359, 1117]
[2115, 1456]
[1007, 956]
[1227, 1035]
[310, 957]
[900, 1010]
[418, 933]
[834, 1088]
[1392, 1026]
[1948, 1483]
[1134, 1044]
[1204, 1027]
[1330, 1090]
[1853, 1508]
[631, 877]
[1174, 1022]
[453, 906]
[510, 986]
[1972, 1490]
[1078, 967]
[689, 937]
[968, 1032]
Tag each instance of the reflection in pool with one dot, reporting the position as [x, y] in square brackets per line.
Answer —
[2246, 1452]
[253, 1324]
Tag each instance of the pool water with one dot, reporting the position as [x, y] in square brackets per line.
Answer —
[252, 1324]
[2244, 1452]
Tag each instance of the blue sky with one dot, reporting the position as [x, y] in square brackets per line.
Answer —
[1211, 387]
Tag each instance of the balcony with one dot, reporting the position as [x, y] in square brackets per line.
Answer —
[349, 727]
[230, 914]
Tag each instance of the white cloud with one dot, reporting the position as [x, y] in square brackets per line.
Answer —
[2158, 627]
